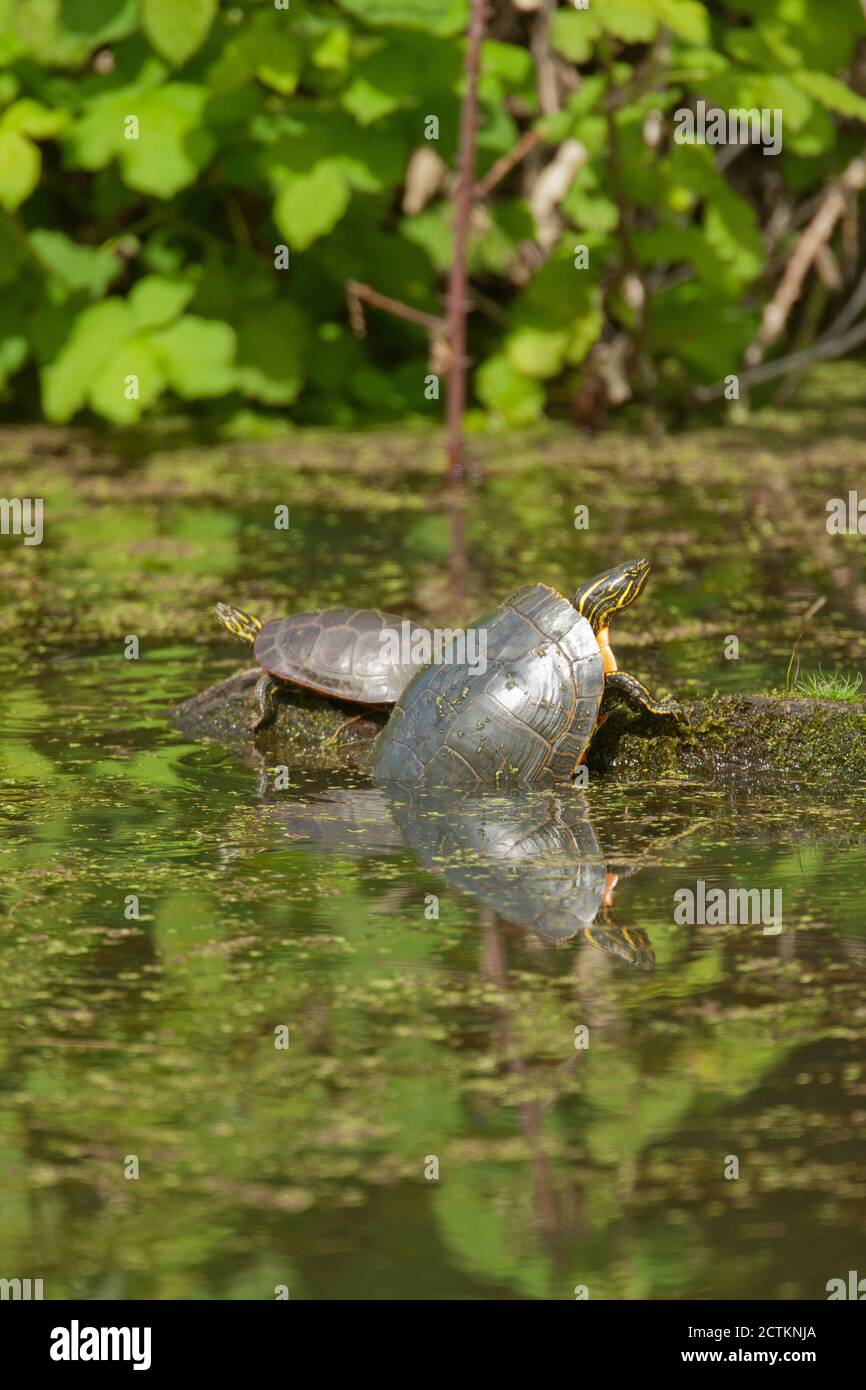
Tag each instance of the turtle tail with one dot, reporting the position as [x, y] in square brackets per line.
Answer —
[239, 623]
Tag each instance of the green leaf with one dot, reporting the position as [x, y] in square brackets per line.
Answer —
[12, 253]
[590, 212]
[279, 65]
[156, 300]
[814, 137]
[31, 118]
[511, 63]
[62, 33]
[197, 356]
[708, 333]
[686, 18]
[693, 66]
[374, 388]
[573, 33]
[110, 390]
[267, 50]
[9, 84]
[75, 268]
[556, 319]
[332, 53]
[587, 330]
[436, 16]
[638, 21]
[366, 103]
[172, 147]
[372, 160]
[744, 90]
[14, 351]
[537, 352]
[832, 94]
[764, 47]
[816, 36]
[410, 70]
[580, 118]
[732, 230]
[20, 166]
[96, 25]
[496, 248]
[309, 205]
[95, 138]
[635, 21]
[271, 352]
[177, 28]
[98, 333]
[516, 398]
[14, 345]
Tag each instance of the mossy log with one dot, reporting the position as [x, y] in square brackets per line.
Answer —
[723, 736]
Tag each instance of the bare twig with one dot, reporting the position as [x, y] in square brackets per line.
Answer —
[634, 277]
[828, 269]
[503, 166]
[808, 333]
[545, 65]
[357, 293]
[447, 334]
[824, 351]
[817, 234]
[849, 251]
[853, 309]
[807, 618]
[458, 280]
[644, 78]
[549, 189]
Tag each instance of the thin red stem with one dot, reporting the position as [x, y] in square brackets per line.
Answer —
[458, 283]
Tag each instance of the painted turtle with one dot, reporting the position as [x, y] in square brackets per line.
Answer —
[527, 718]
[338, 652]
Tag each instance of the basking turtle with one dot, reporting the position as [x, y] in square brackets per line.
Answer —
[526, 718]
[340, 652]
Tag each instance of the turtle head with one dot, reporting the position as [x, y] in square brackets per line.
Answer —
[608, 593]
[239, 624]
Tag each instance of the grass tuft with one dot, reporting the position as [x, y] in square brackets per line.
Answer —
[835, 685]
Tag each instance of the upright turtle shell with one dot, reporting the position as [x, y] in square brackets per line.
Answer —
[337, 652]
[524, 721]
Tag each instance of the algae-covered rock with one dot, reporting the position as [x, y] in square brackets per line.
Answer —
[728, 734]
[725, 735]
[306, 727]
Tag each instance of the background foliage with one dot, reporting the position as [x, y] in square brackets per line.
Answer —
[261, 127]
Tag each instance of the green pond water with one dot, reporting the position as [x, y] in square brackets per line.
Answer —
[416, 1040]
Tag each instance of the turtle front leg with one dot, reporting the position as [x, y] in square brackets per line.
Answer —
[623, 686]
[265, 701]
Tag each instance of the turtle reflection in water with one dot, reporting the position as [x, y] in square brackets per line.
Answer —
[532, 857]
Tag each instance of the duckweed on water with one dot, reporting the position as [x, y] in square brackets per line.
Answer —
[421, 1020]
